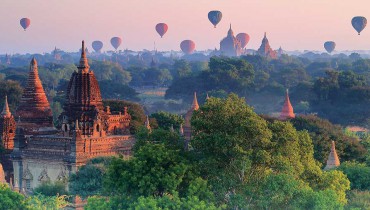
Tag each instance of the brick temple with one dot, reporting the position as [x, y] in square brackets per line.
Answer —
[87, 130]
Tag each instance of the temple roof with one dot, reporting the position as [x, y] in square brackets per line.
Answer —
[287, 111]
[265, 49]
[34, 106]
[333, 160]
[230, 45]
[6, 112]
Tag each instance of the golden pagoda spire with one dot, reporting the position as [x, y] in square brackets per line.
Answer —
[195, 105]
[333, 160]
[6, 112]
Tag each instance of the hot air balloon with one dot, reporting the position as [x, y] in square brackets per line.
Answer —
[116, 42]
[329, 46]
[243, 39]
[215, 17]
[25, 23]
[359, 23]
[187, 46]
[97, 45]
[161, 28]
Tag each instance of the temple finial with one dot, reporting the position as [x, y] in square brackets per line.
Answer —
[195, 105]
[84, 64]
[6, 111]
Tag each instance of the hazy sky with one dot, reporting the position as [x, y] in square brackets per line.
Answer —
[292, 24]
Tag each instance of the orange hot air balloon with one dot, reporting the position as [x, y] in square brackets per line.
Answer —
[25, 23]
[243, 39]
[161, 29]
[187, 46]
[116, 42]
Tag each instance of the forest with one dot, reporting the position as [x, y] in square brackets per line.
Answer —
[241, 156]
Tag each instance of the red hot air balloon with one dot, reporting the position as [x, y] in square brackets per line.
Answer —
[161, 29]
[243, 39]
[116, 42]
[187, 46]
[25, 23]
[97, 45]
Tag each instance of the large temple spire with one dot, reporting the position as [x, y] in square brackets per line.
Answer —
[333, 160]
[6, 112]
[34, 108]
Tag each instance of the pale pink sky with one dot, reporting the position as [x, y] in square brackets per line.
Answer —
[292, 24]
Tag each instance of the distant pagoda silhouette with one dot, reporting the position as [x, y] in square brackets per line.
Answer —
[287, 111]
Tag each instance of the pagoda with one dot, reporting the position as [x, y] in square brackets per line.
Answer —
[7, 127]
[230, 45]
[34, 109]
[188, 115]
[333, 160]
[265, 49]
[287, 111]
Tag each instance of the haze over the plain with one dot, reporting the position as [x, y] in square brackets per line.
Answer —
[292, 24]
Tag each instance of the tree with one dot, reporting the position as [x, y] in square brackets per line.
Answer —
[51, 189]
[154, 171]
[88, 180]
[41, 202]
[322, 132]
[358, 174]
[10, 199]
[165, 120]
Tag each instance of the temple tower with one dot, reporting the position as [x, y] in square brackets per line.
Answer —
[230, 45]
[265, 49]
[287, 111]
[2, 175]
[333, 160]
[34, 109]
[188, 115]
[7, 127]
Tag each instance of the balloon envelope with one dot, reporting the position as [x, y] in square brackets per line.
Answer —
[243, 39]
[116, 42]
[359, 23]
[187, 46]
[329, 46]
[161, 28]
[214, 17]
[97, 45]
[25, 23]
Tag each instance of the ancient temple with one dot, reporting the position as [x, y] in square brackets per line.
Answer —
[333, 160]
[280, 52]
[265, 49]
[188, 115]
[34, 109]
[230, 45]
[287, 112]
[7, 127]
[87, 130]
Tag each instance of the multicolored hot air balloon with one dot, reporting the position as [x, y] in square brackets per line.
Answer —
[243, 39]
[161, 29]
[116, 42]
[187, 46]
[97, 46]
[329, 46]
[25, 23]
[214, 17]
[359, 23]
